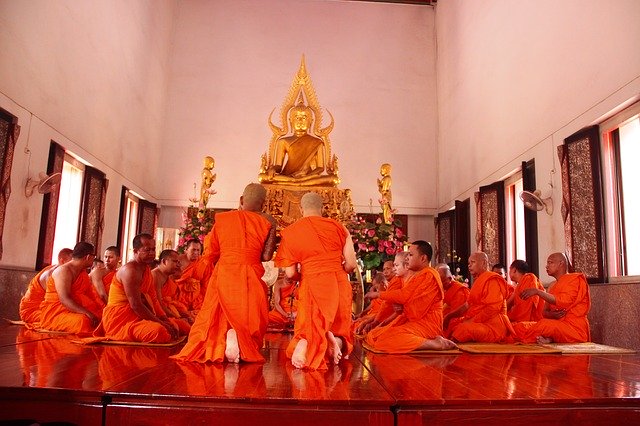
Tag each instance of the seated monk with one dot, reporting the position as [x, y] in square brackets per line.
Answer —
[168, 265]
[234, 316]
[30, 302]
[69, 304]
[299, 159]
[520, 309]
[483, 318]
[565, 314]
[455, 293]
[132, 313]
[419, 326]
[285, 303]
[190, 282]
[101, 278]
[387, 270]
[378, 284]
[388, 311]
[323, 249]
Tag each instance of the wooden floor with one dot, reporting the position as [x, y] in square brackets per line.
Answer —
[51, 379]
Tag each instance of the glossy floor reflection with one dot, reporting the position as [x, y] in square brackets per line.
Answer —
[51, 376]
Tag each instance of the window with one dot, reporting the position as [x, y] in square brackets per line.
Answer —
[69, 201]
[514, 219]
[130, 224]
[621, 154]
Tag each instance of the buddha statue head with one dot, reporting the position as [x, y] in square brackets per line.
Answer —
[300, 118]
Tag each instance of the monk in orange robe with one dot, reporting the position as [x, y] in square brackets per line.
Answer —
[285, 303]
[455, 292]
[101, 277]
[378, 283]
[388, 310]
[565, 314]
[234, 316]
[323, 249]
[193, 278]
[168, 265]
[420, 324]
[520, 309]
[133, 313]
[30, 302]
[483, 318]
[69, 304]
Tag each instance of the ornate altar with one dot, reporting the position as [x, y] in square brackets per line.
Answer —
[299, 159]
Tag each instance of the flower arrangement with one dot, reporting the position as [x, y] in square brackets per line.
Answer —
[197, 224]
[376, 242]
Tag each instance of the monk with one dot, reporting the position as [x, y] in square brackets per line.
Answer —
[387, 270]
[169, 264]
[132, 313]
[419, 326]
[69, 305]
[565, 314]
[191, 282]
[285, 302]
[520, 309]
[234, 316]
[323, 251]
[455, 293]
[378, 283]
[30, 302]
[389, 311]
[101, 277]
[483, 318]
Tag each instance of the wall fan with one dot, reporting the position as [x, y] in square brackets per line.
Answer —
[534, 201]
[45, 184]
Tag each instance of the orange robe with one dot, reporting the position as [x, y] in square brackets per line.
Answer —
[317, 243]
[56, 317]
[531, 308]
[373, 310]
[190, 286]
[421, 319]
[170, 295]
[106, 281]
[386, 310]
[572, 294]
[236, 295]
[120, 322]
[288, 303]
[454, 297]
[486, 319]
[30, 302]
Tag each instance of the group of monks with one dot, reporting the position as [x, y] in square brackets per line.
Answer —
[426, 308]
[217, 296]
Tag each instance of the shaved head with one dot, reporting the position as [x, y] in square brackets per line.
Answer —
[253, 197]
[559, 257]
[311, 204]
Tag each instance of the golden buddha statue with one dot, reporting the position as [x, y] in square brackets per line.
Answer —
[207, 180]
[300, 157]
[384, 186]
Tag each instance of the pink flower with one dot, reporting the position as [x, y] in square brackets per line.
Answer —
[391, 251]
[371, 232]
[371, 248]
[399, 233]
[378, 221]
[362, 247]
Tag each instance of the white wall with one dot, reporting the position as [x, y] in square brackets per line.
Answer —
[90, 75]
[516, 78]
[372, 65]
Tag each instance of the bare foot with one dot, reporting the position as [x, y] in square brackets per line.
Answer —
[231, 372]
[544, 340]
[438, 343]
[334, 348]
[299, 357]
[232, 350]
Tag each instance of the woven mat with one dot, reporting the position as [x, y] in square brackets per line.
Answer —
[506, 348]
[418, 352]
[588, 348]
[105, 341]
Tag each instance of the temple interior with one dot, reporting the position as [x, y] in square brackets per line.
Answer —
[469, 102]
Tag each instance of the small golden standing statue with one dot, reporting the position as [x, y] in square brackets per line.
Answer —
[207, 180]
[384, 186]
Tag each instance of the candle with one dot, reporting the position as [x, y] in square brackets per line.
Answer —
[368, 275]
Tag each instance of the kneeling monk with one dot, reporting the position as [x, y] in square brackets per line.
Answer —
[234, 314]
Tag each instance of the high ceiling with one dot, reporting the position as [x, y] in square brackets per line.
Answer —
[417, 2]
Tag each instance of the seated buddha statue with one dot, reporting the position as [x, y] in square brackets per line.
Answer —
[299, 159]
